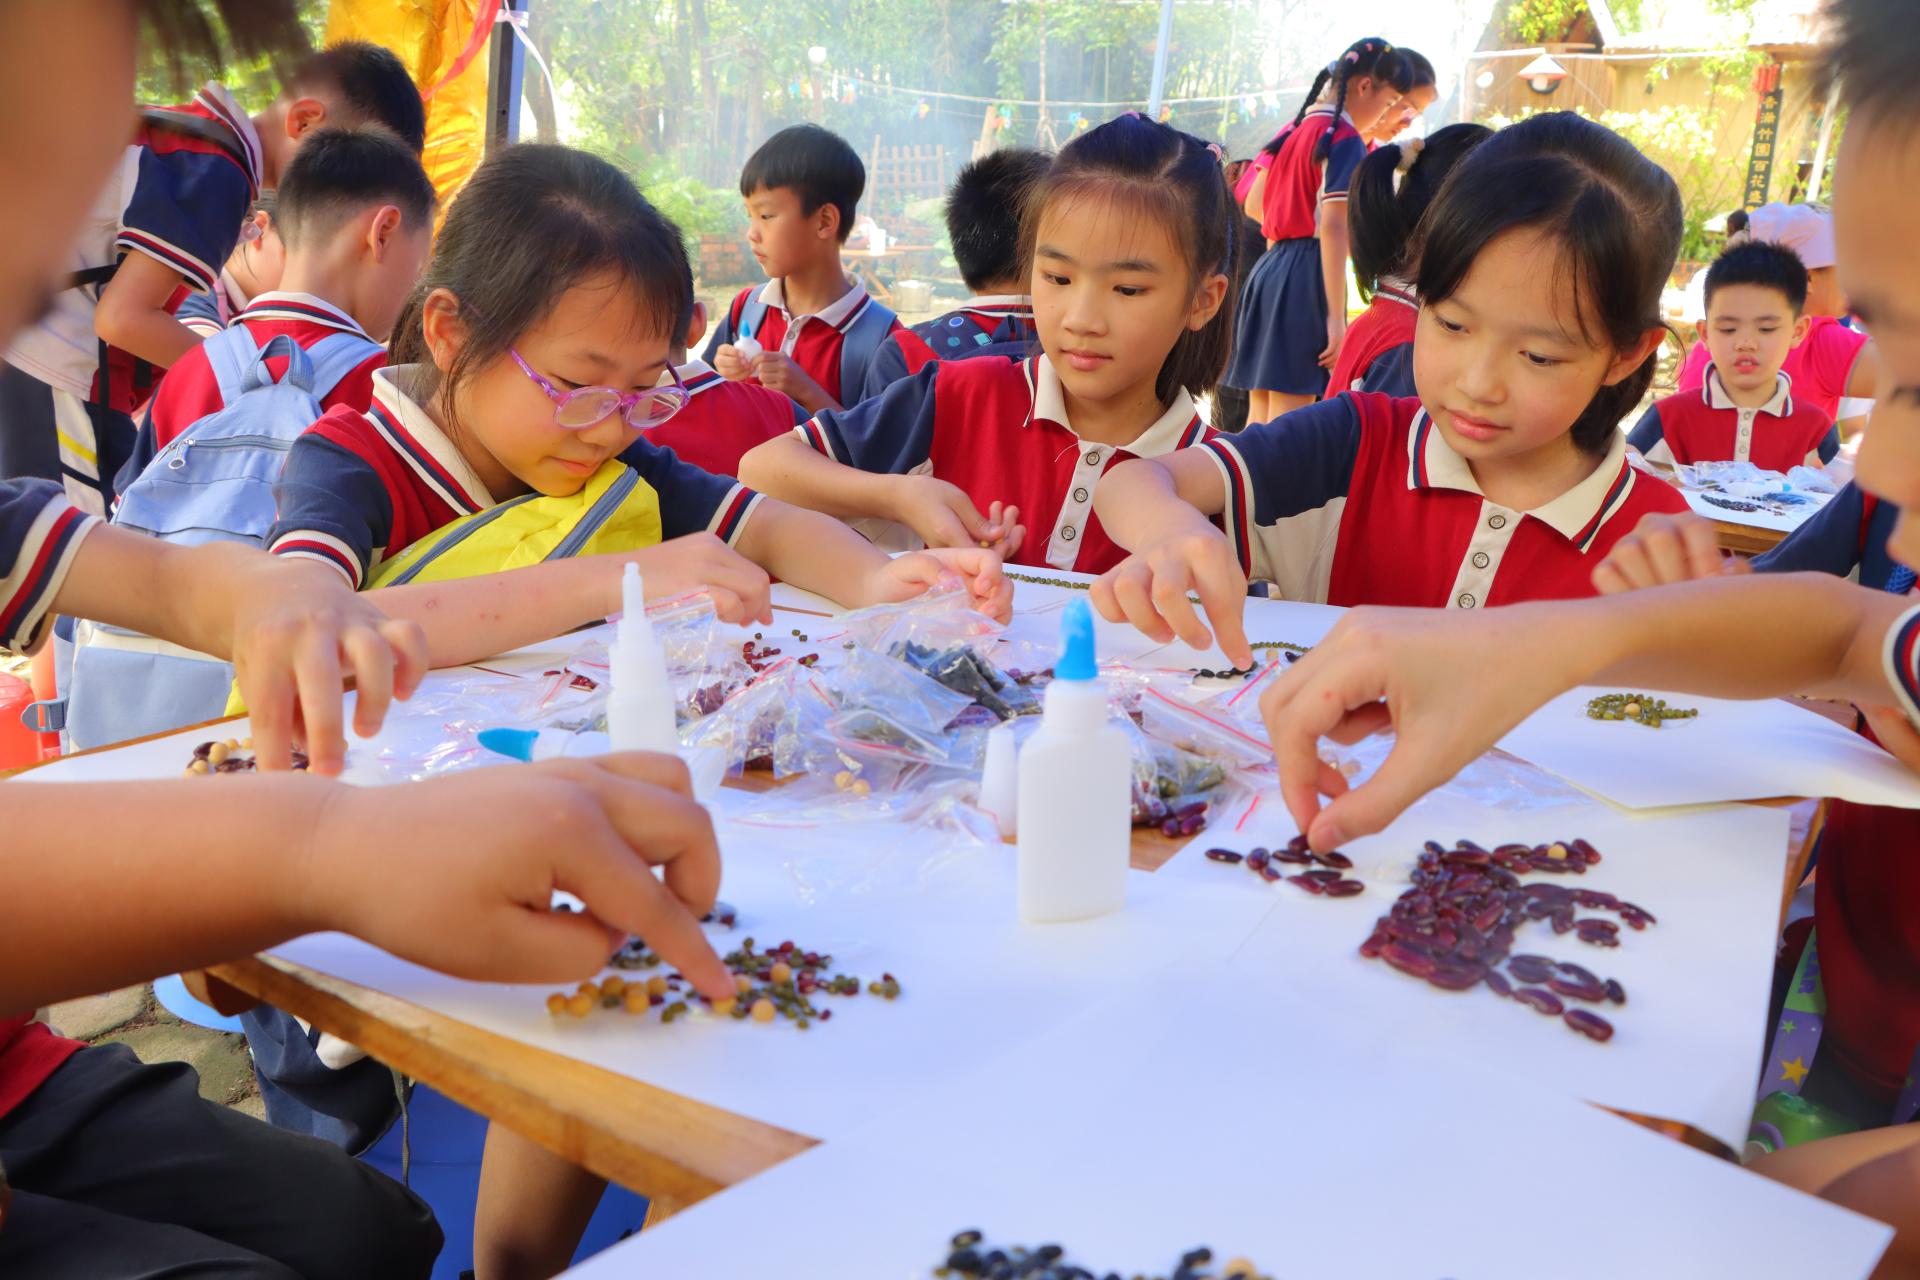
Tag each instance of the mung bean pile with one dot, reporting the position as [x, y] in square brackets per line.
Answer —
[1641, 708]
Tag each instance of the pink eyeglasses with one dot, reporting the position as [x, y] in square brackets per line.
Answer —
[583, 407]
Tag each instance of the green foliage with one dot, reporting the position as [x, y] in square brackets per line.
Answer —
[1542, 21]
[254, 82]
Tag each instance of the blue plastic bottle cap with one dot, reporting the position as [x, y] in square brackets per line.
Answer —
[1076, 643]
[515, 744]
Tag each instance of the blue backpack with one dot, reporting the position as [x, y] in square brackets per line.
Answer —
[857, 348]
[212, 484]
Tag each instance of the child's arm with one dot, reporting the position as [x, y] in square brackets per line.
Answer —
[819, 554]
[132, 313]
[179, 875]
[1666, 548]
[778, 371]
[789, 469]
[1334, 244]
[293, 630]
[1158, 508]
[1451, 684]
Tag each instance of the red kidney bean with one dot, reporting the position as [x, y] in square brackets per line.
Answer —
[1455, 977]
[1512, 848]
[1591, 1025]
[1322, 875]
[1257, 859]
[1269, 874]
[1563, 920]
[1298, 843]
[1308, 883]
[1497, 982]
[1433, 847]
[1345, 888]
[1577, 972]
[1407, 960]
[1597, 937]
[1587, 852]
[1539, 1001]
[1292, 857]
[1490, 917]
[1468, 846]
[1334, 858]
[1616, 992]
[1224, 855]
[1637, 916]
[1574, 989]
[1532, 969]
[1371, 947]
[1594, 898]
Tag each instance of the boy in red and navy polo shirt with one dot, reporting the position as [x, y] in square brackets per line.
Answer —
[1745, 410]
[1360, 500]
[998, 431]
[983, 226]
[168, 217]
[809, 332]
[361, 487]
[722, 420]
[356, 214]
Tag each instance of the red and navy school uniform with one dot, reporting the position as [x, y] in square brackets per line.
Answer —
[360, 487]
[1282, 324]
[999, 431]
[723, 420]
[178, 196]
[1846, 538]
[1000, 325]
[816, 341]
[210, 313]
[1707, 426]
[1820, 365]
[1378, 352]
[1361, 500]
[190, 391]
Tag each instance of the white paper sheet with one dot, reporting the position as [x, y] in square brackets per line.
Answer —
[1687, 1044]
[1753, 519]
[975, 980]
[1196, 1110]
[1731, 751]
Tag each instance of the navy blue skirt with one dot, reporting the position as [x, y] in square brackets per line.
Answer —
[1281, 328]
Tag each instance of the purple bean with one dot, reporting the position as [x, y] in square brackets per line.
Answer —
[1308, 883]
[1407, 960]
[1345, 888]
[1591, 1025]
[1334, 858]
[1498, 982]
[1224, 855]
[1589, 854]
[1573, 989]
[1578, 973]
[1616, 992]
[1532, 969]
[1291, 856]
[1323, 876]
[1563, 920]
[1539, 1001]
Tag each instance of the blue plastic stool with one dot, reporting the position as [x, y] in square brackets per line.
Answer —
[447, 1141]
[174, 997]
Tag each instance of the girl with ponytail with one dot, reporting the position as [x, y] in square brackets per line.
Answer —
[1294, 314]
[1539, 268]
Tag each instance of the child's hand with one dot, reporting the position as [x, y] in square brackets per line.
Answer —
[777, 371]
[1664, 549]
[486, 849]
[1411, 670]
[944, 516]
[297, 630]
[1149, 589]
[1336, 338]
[979, 571]
[730, 364]
[698, 562]
[1013, 534]
[1895, 732]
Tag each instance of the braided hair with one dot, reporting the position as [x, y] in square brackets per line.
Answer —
[1373, 57]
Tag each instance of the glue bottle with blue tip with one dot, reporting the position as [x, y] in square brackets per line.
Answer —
[640, 697]
[1076, 791]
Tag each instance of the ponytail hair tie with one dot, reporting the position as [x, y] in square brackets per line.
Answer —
[1218, 154]
[1409, 152]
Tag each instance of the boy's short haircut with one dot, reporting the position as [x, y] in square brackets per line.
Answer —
[373, 85]
[1762, 263]
[337, 173]
[815, 164]
[983, 213]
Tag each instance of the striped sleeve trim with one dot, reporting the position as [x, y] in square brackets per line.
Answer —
[730, 517]
[815, 434]
[1901, 657]
[310, 544]
[1237, 517]
[41, 565]
[197, 273]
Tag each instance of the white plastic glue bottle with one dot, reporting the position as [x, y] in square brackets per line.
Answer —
[1076, 791]
[640, 701]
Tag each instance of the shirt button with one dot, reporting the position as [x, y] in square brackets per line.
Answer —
[1496, 521]
[1093, 457]
[1466, 600]
[1080, 495]
[1068, 533]
[1481, 559]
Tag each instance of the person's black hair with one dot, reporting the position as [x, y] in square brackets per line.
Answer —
[1381, 220]
[1737, 222]
[983, 213]
[1871, 50]
[1420, 73]
[373, 85]
[1154, 171]
[815, 164]
[338, 173]
[1372, 57]
[1615, 213]
[534, 221]
[1771, 266]
[204, 34]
